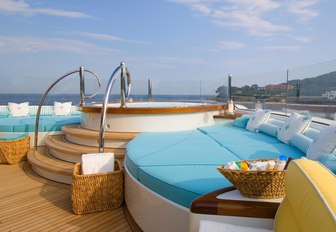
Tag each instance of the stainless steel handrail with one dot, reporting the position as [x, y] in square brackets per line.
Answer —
[124, 94]
[81, 71]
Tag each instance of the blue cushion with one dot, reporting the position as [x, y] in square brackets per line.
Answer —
[231, 135]
[12, 136]
[181, 166]
[4, 114]
[276, 122]
[221, 130]
[241, 122]
[249, 145]
[311, 133]
[6, 128]
[27, 124]
[269, 129]
[328, 160]
[182, 184]
[174, 149]
[301, 142]
[264, 150]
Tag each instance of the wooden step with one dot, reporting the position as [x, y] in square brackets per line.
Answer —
[62, 149]
[49, 167]
[76, 130]
[78, 135]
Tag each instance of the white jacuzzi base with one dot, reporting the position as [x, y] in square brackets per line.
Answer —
[151, 211]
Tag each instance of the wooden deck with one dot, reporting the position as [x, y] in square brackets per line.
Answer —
[30, 203]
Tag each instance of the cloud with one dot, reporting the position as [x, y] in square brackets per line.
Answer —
[303, 9]
[203, 49]
[21, 7]
[303, 39]
[38, 44]
[168, 62]
[256, 17]
[281, 48]
[230, 45]
[107, 37]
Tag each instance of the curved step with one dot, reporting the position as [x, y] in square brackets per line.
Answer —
[62, 149]
[49, 167]
[78, 135]
[78, 131]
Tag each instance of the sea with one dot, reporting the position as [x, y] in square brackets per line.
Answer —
[34, 99]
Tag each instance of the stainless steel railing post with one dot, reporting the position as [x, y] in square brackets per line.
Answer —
[81, 86]
[150, 89]
[123, 85]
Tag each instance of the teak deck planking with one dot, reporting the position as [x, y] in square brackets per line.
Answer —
[30, 205]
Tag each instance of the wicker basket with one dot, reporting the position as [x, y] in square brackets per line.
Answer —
[96, 192]
[14, 151]
[256, 184]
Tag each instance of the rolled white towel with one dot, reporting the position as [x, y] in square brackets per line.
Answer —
[97, 163]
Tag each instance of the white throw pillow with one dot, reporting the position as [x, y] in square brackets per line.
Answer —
[18, 110]
[296, 123]
[257, 119]
[62, 108]
[325, 143]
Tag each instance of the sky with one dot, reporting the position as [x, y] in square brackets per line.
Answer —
[179, 41]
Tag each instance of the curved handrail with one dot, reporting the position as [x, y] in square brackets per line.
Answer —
[82, 85]
[81, 71]
[124, 94]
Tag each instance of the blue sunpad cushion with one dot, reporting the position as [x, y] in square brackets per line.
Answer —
[231, 135]
[328, 160]
[46, 123]
[4, 114]
[182, 184]
[174, 148]
[12, 136]
[264, 151]
[181, 166]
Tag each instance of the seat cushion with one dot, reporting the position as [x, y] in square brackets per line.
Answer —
[313, 207]
[174, 149]
[182, 184]
[250, 145]
[27, 124]
[231, 134]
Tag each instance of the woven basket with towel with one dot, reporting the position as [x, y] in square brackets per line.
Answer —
[96, 192]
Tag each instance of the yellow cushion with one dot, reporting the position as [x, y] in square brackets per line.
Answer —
[310, 202]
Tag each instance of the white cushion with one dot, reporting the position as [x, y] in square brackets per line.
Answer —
[296, 123]
[325, 143]
[18, 110]
[62, 108]
[257, 119]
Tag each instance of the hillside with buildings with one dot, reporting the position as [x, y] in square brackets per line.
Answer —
[322, 87]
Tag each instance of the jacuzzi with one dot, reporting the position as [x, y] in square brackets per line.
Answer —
[150, 116]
